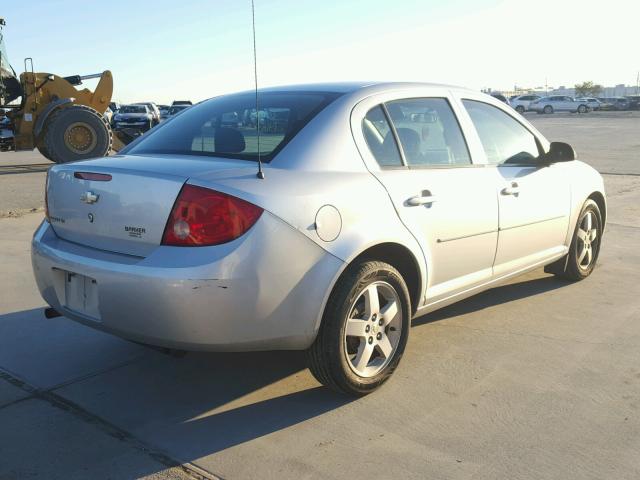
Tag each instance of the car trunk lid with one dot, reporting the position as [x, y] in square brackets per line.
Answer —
[128, 211]
[122, 211]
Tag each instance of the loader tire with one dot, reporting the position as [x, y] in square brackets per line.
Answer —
[76, 133]
[43, 150]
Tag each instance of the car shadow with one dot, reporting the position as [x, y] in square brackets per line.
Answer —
[495, 296]
[194, 407]
[187, 408]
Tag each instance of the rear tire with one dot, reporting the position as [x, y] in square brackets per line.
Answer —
[585, 246]
[364, 330]
[76, 133]
[582, 109]
[548, 109]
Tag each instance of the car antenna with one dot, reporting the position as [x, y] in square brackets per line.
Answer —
[255, 77]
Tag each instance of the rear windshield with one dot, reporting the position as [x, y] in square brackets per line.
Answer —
[228, 126]
[133, 109]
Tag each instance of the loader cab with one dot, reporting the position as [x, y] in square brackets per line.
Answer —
[10, 88]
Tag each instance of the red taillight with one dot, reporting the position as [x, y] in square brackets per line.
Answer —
[205, 217]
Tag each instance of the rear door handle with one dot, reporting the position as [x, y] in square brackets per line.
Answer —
[421, 200]
[512, 189]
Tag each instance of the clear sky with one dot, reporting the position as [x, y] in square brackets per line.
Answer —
[161, 50]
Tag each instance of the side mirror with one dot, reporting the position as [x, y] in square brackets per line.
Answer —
[560, 152]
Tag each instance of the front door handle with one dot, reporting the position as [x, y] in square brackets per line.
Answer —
[512, 189]
[421, 200]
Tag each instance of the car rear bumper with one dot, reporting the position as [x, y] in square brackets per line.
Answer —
[265, 290]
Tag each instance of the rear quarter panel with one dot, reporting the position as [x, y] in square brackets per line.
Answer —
[322, 166]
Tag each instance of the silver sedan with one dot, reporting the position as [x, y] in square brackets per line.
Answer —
[377, 203]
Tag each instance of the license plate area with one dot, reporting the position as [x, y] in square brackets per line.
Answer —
[81, 294]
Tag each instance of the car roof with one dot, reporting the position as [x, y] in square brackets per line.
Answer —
[353, 92]
[356, 86]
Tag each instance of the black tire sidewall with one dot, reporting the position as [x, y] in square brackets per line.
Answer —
[335, 317]
[520, 109]
[548, 109]
[58, 123]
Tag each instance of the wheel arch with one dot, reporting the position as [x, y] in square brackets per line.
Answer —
[598, 197]
[46, 113]
[401, 258]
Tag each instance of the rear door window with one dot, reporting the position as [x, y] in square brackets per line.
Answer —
[428, 132]
[380, 139]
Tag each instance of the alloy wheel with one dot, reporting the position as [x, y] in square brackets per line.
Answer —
[373, 329]
[587, 240]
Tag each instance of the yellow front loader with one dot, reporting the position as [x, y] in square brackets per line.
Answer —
[63, 122]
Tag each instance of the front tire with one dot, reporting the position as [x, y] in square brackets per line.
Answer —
[520, 109]
[364, 330]
[548, 109]
[582, 109]
[585, 246]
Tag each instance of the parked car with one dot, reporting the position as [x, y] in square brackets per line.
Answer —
[615, 103]
[500, 97]
[592, 103]
[6, 134]
[634, 102]
[558, 103]
[176, 109]
[137, 116]
[179, 242]
[108, 115]
[521, 103]
[155, 111]
[114, 106]
[164, 111]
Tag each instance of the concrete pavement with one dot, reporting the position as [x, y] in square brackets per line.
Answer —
[535, 379]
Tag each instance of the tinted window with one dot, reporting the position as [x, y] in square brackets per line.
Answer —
[505, 140]
[428, 131]
[176, 108]
[380, 138]
[227, 126]
[133, 109]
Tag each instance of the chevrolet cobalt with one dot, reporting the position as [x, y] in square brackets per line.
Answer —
[376, 203]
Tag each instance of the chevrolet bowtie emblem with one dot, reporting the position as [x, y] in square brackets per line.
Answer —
[89, 197]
